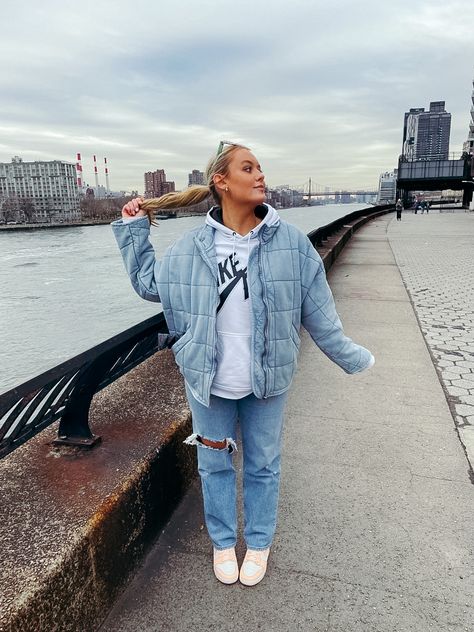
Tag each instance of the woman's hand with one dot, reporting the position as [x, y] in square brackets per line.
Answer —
[132, 209]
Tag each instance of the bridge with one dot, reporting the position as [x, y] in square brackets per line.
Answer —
[312, 194]
[456, 173]
[311, 190]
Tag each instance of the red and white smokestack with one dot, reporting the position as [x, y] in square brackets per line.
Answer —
[96, 175]
[80, 181]
[107, 187]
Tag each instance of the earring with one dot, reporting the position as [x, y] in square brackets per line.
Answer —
[227, 189]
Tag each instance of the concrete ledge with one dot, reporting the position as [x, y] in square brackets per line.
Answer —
[332, 247]
[76, 523]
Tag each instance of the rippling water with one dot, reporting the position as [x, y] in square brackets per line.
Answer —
[65, 290]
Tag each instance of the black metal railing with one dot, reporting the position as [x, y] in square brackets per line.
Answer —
[64, 393]
[319, 235]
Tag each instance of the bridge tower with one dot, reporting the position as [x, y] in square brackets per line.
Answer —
[309, 193]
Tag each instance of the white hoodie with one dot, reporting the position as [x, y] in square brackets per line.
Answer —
[234, 326]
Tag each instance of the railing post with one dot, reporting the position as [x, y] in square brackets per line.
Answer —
[74, 427]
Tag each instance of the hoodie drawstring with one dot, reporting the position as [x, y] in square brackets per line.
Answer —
[233, 245]
[234, 235]
[248, 245]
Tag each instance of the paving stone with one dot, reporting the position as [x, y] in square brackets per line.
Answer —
[461, 383]
[457, 370]
[455, 391]
[445, 363]
[464, 410]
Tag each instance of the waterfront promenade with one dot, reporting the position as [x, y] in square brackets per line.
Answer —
[375, 529]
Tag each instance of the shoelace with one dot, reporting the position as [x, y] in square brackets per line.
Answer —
[224, 556]
[256, 557]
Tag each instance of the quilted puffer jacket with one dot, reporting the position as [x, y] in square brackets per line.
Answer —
[287, 288]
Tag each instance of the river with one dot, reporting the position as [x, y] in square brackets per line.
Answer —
[64, 290]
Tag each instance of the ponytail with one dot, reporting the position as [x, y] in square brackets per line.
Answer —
[219, 164]
[192, 195]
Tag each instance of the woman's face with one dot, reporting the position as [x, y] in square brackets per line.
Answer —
[244, 179]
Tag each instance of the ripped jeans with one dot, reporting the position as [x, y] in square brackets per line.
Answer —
[261, 424]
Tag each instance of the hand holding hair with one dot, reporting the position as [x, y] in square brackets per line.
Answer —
[133, 208]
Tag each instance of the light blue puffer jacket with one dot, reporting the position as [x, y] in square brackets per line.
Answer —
[287, 288]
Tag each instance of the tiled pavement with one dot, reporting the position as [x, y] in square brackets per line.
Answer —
[435, 255]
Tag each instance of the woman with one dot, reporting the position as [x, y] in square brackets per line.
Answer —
[234, 293]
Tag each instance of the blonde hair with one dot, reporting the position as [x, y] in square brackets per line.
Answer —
[197, 193]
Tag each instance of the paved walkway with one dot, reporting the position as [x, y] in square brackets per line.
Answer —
[435, 254]
[375, 529]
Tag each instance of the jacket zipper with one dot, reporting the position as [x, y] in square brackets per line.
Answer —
[212, 373]
[267, 326]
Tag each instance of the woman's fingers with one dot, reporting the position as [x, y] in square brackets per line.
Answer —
[133, 207]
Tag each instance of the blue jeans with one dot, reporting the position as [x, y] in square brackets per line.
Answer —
[261, 425]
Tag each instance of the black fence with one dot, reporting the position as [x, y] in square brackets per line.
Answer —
[65, 392]
[319, 235]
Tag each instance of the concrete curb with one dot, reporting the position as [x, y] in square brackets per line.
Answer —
[333, 246]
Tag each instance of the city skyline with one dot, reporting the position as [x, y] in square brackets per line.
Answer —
[316, 91]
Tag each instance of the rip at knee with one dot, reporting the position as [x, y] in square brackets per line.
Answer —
[226, 444]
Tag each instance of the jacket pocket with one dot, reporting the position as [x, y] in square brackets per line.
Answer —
[182, 342]
[165, 341]
[295, 337]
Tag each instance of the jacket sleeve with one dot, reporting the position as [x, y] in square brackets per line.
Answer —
[320, 318]
[138, 256]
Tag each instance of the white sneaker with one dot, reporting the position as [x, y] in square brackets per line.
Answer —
[254, 567]
[225, 566]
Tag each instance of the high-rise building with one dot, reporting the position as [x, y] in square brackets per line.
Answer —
[426, 134]
[50, 186]
[468, 146]
[156, 184]
[195, 177]
[387, 187]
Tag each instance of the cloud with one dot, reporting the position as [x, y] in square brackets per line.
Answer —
[316, 89]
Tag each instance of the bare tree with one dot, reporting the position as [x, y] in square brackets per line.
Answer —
[10, 209]
[93, 209]
[28, 208]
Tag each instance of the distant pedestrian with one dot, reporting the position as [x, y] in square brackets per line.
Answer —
[399, 209]
[235, 292]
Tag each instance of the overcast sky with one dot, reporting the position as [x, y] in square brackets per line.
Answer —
[315, 87]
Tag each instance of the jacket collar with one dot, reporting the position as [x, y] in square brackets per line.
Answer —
[205, 236]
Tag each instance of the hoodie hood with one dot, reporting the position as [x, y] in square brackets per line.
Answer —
[266, 213]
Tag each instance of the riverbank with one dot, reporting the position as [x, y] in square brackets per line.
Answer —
[12, 227]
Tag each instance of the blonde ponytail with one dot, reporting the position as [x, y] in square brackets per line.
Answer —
[219, 164]
[192, 195]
